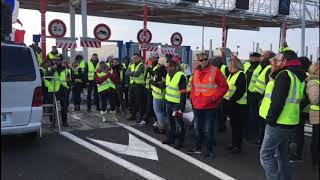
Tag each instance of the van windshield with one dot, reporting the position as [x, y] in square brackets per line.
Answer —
[16, 64]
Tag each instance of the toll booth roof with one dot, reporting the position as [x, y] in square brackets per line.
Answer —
[166, 12]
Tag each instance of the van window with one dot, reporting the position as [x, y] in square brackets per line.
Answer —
[16, 64]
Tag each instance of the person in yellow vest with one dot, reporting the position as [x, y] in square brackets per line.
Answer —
[298, 137]
[236, 100]
[106, 88]
[258, 90]
[158, 86]
[252, 69]
[37, 52]
[125, 81]
[284, 47]
[54, 54]
[118, 74]
[137, 84]
[280, 108]
[92, 66]
[175, 96]
[44, 69]
[77, 80]
[150, 73]
[313, 87]
[66, 66]
[61, 88]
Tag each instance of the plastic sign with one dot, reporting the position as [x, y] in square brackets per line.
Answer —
[140, 36]
[176, 39]
[57, 28]
[102, 32]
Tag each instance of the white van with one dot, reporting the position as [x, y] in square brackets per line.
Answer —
[21, 94]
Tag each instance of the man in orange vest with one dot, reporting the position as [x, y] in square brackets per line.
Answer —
[208, 86]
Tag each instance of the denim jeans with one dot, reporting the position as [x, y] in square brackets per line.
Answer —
[158, 107]
[274, 153]
[204, 120]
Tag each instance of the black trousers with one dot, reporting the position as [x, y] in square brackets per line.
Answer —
[62, 96]
[125, 89]
[299, 138]
[176, 125]
[252, 123]
[315, 144]
[107, 96]
[137, 92]
[92, 88]
[262, 126]
[76, 94]
[237, 123]
[222, 115]
[149, 105]
[119, 97]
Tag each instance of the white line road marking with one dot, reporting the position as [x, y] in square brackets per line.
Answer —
[136, 148]
[184, 156]
[128, 165]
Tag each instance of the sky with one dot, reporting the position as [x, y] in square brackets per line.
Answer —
[192, 35]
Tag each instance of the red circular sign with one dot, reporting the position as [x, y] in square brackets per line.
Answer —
[176, 39]
[102, 32]
[140, 36]
[57, 28]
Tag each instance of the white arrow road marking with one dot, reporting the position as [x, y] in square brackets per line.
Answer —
[180, 154]
[136, 147]
[128, 165]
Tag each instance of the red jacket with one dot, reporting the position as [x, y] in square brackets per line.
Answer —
[100, 80]
[210, 102]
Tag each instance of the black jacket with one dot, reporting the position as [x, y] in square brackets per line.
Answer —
[280, 93]
[250, 71]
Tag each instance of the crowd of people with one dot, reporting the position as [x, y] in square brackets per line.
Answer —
[267, 98]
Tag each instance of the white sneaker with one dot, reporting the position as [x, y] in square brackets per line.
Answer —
[142, 123]
[155, 124]
[104, 119]
[103, 112]
[112, 112]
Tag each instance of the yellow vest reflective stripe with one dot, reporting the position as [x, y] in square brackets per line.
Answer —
[172, 87]
[291, 111]
[157, 93]
[82, 65]
[106, 84]
[140, 78]
[189, 84]
[315, 107]
[63, 78]
[121, 75]
[91, 70]
[246, 66]
[149, 77]
[260, 85]
[223, 70]
[254, 78]
[232, 88]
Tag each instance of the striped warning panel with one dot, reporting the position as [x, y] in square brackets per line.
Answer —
[90, 42]
[66, 43]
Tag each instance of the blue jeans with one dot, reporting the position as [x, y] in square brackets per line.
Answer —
[274, 153]
[158, 107]
[204, 120]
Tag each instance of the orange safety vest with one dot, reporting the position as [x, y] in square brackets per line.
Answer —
[207, 85]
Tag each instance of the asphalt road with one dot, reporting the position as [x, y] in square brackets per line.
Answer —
[57, 157]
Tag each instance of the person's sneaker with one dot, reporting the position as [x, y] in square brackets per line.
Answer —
[155, 124]
[195, 150]
[236, 150]
[104, 119]
[103, 112]
[295, 158]
[142, 123]
[209, 155]
[167, 141]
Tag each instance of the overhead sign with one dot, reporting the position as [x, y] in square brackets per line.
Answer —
[141, 37]
[57, 28]
[176, 39]
[136, 148]
[102, 32]
[90, 42]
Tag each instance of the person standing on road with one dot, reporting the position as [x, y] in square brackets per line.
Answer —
[54, 54]
[76, 77]
[118, 74]
[92, 66]
[106, 88]
[236, 100]
[281, 108]
[150, 72]
[136, 74]
[176, 94]
[208, 86]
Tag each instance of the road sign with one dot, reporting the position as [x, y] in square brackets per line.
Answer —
[136, 148]
[140, 36]
[176, 39]
[57, 28]
[102, 32]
